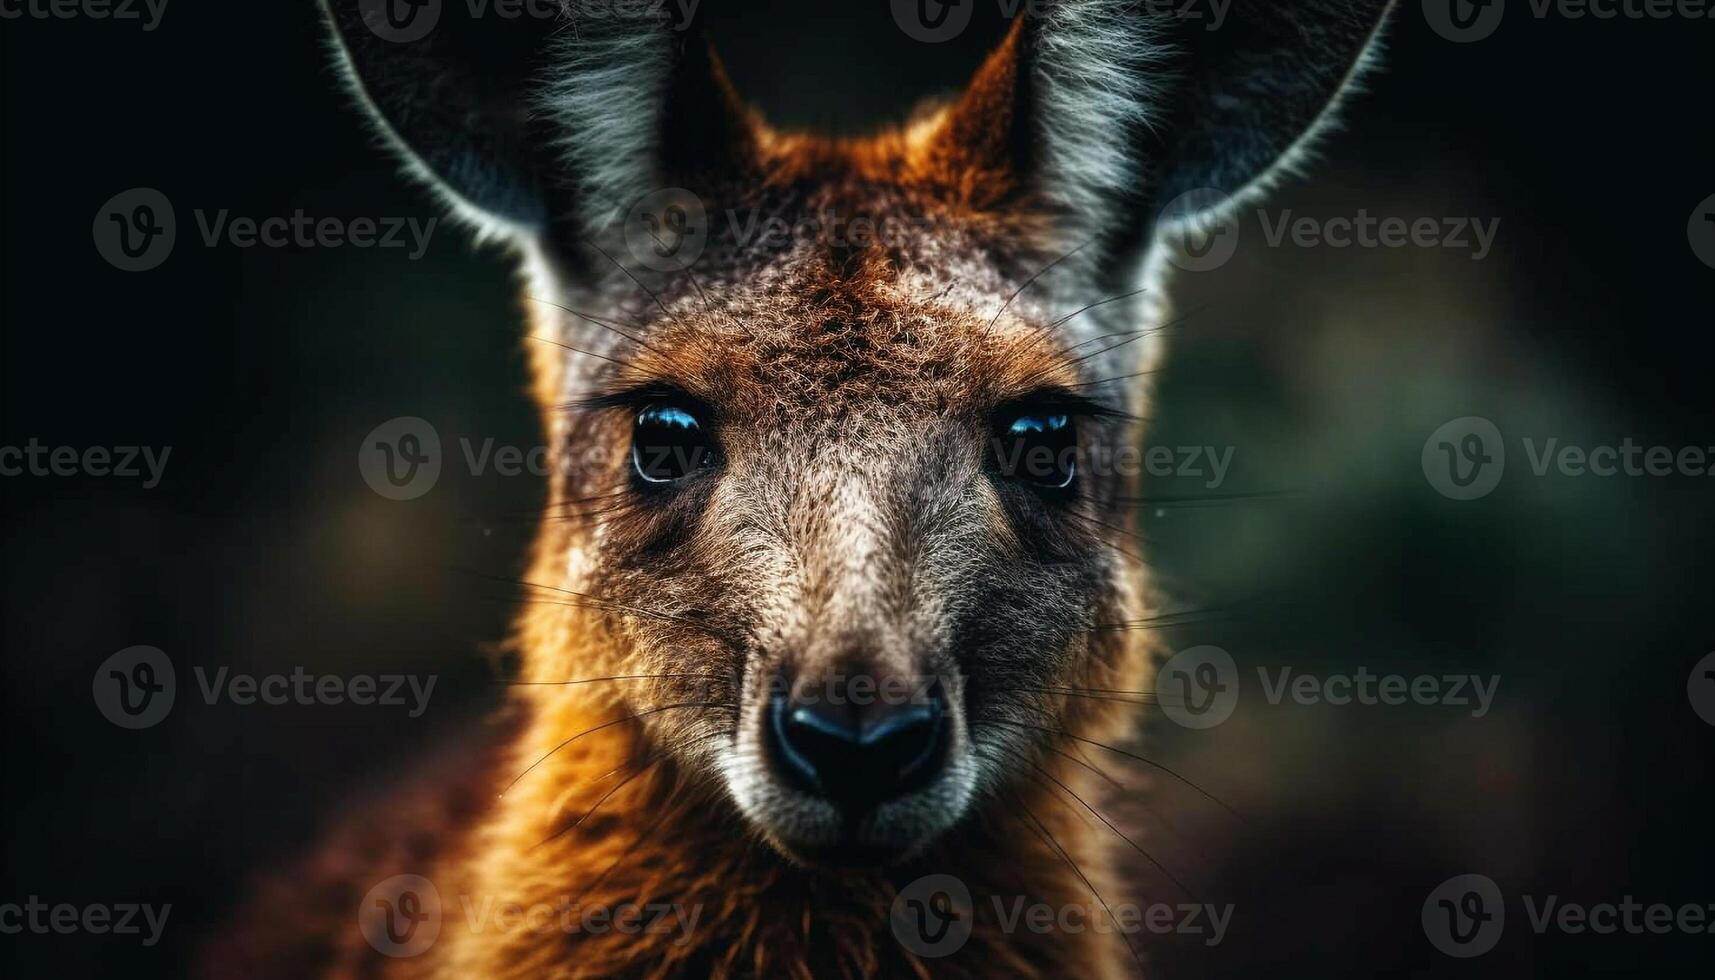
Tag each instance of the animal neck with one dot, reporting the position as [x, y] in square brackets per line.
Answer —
[606, 858]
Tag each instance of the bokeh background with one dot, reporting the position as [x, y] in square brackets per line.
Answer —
[1325, 369]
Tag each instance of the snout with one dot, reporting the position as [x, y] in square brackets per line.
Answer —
[846, 768]
[857, 756]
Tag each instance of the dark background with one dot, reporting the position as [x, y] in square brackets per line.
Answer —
[1325, 368]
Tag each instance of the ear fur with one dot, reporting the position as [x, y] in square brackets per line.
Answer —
[540, 129]
[1124, 111]
[453, 105]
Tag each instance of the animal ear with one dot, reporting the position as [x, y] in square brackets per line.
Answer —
[1244, 102]
[542, 126]
[1115, 112]
[451, 94]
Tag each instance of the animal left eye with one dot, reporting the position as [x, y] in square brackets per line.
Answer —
[669, 444]
[1039, 449]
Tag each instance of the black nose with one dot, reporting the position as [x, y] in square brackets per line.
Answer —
[856, 755]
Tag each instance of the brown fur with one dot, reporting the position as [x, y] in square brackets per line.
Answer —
[834, 366]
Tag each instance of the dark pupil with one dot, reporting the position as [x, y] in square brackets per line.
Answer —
[1040, 450]
[669, 445]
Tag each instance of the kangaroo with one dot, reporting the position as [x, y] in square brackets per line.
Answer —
[831, 564]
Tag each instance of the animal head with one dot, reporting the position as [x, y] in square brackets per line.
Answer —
[844, 422]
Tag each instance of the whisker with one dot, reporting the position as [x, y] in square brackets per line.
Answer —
[597, 600]
[1041, 333]
[578, 350]
[1167, 620]
[598, 680]
[1122, 752]
[628, 274]
[1197, 500]
[1027, 283]
[643, 836]
[1117, 377]
[651, 763]
[1118, 833]
[1162, 326]
[607, 724]
[611, 329]
[1064, 856]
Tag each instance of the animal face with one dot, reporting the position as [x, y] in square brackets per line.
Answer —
[876, 505]
[853, 512]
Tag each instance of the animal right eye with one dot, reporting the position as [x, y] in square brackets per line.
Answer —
[670, 444]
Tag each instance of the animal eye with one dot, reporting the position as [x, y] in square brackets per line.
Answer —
[1039, 449]
[669, 444]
